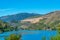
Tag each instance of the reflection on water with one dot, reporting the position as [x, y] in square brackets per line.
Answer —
[30, 34]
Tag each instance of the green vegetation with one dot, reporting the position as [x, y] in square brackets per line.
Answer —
[57, 37]
[13, 37]
[5, 26]
[43, 38]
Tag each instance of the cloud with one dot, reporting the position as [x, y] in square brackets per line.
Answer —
[2, 10]
[9, 11]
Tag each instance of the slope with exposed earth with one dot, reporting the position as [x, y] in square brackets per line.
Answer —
[51, 19]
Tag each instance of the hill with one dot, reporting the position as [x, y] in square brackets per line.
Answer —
[52, 16]
[48, 21]
[32, 21]
[19, 16]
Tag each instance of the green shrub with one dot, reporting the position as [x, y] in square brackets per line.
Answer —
[43, 38]
[13, 37]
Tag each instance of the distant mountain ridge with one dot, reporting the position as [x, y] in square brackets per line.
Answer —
[50, 17]
[19, 16]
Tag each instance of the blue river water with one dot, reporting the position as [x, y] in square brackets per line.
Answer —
[30, 34]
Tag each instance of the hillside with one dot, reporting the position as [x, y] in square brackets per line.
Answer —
[52, 16]
[50, 20]
[31, 21]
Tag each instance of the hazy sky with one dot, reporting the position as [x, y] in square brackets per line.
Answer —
[8, 7]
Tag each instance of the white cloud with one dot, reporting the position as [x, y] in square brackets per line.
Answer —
[10, 11]
[2, 10]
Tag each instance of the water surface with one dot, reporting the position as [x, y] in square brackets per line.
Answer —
[30, 34]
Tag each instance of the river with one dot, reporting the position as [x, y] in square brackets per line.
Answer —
[30, 34]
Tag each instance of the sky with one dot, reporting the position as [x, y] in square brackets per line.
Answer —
[9, 7]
